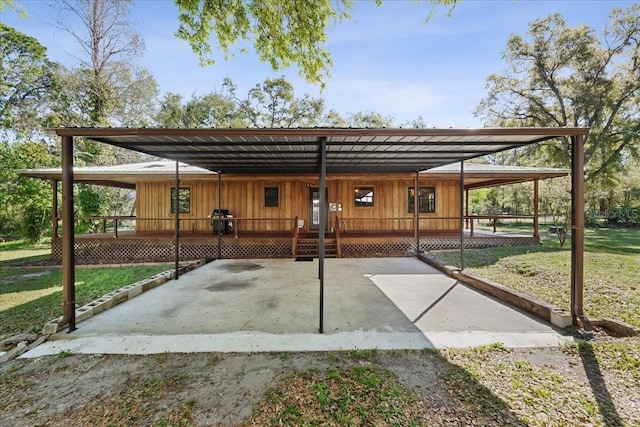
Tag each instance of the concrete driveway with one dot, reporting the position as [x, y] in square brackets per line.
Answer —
[273, 305]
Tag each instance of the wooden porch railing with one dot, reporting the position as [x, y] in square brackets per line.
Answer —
[238, 221]
[407, 222]
[341, 225]
[100, 223]
[348, 225]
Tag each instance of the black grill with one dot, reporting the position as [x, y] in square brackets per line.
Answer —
[218, 225]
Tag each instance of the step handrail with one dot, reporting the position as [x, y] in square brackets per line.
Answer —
[294, 243]
[337, 233]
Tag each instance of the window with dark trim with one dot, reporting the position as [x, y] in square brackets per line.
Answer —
[363, 196]
[426, 199]
[271, 197]
[184, 199]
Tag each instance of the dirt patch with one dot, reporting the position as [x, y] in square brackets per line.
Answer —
[10, 279]
[480, 387]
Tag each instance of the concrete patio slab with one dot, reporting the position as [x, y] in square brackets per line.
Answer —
[273, 305]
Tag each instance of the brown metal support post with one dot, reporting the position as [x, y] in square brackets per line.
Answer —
[176, 201]
[461, 215]
[536, 213]
[68, 260]
[322, 226]
[54, 208]
[577, 232]
[416, 212]
[220, 223]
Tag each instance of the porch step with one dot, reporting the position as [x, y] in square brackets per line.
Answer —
[309, 248]
[312, 236]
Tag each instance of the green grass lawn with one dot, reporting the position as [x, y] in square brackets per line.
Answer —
[19, 252]
[31, 296]
[611, 271]
[514, 226]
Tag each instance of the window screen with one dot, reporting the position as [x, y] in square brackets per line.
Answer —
[363, 196]
[271, 197]
[184, 200]
[426, 199]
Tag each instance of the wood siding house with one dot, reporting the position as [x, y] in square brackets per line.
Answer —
[277, 215]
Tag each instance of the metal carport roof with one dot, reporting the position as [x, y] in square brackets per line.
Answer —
[298, 150]
[322, 151]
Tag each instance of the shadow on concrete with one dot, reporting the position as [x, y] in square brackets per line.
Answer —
[434, 303]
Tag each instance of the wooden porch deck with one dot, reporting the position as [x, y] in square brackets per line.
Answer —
[130, 246]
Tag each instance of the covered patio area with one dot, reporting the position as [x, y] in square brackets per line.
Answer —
[323, 152]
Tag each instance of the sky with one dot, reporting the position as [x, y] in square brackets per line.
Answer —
[386, 59]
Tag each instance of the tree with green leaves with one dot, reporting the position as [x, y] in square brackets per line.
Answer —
[284, 32]
[28, 93]
[106, 88]
[132, 95]
[108, 42]
[273, 104]
[27, 82]
[25, 203]
[630, 184]
[563, 76]
[213, 110]
[368, 119]
[555, 200]
[12, 5]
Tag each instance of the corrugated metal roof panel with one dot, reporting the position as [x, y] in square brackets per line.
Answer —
[298, 150]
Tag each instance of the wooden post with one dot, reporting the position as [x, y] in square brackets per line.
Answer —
[220, 219]
[68, 258]
[416, 211]
[536, 203]
[461, 215]
[54, 209]
[577, 231]
[176, 242]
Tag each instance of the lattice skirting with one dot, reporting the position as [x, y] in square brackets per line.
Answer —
[158, 249]
[364, 247]
[405, 246]
[161, 249]
[276, 247]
